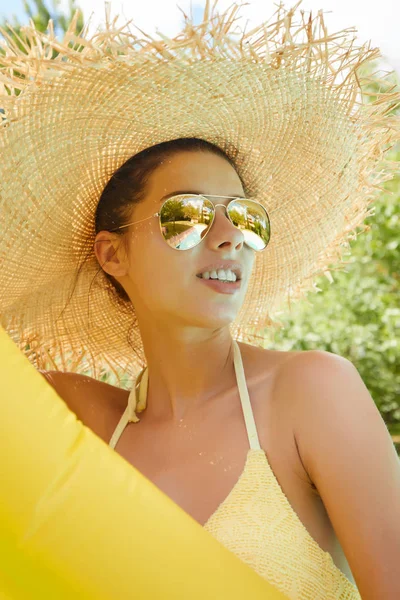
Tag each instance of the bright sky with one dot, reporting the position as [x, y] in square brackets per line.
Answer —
[378, 21]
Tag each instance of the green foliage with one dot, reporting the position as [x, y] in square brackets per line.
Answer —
[40, 14]
[390, 82]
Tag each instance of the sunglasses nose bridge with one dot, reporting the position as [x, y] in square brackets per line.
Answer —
[226, 212]
[224, 206]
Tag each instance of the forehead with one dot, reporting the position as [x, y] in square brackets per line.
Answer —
[203, 172]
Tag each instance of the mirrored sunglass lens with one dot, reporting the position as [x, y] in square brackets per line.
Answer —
[185, 221]
[253, 221]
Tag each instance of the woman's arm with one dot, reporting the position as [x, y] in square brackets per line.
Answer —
[347, 450]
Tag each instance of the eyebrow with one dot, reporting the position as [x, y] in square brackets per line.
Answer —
[179, 192]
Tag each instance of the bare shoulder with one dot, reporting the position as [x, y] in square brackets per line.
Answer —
[268, 361]
[274, 378]
[307, 366]
[278, 374]
[91, 400]
[304, 370]
[286, 412]
[284, 377]
[300, 375]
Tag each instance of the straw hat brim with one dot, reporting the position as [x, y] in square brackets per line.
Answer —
[305, 147]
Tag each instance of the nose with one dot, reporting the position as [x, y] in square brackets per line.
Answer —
[223, 231]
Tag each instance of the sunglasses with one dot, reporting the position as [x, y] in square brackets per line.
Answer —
[185, 220]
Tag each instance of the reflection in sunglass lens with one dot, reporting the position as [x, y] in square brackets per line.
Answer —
[252, 219]
[185, 220]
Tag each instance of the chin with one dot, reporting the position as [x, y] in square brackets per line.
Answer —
[214, 318]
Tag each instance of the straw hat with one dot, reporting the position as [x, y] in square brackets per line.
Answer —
[284, 100]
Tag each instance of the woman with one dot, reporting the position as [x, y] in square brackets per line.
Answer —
[262, 447]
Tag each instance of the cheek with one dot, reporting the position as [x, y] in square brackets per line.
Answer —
[152, 262]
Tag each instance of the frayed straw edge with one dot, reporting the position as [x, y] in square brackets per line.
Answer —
[278, 43]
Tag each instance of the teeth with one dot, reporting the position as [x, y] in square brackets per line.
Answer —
[221, 274]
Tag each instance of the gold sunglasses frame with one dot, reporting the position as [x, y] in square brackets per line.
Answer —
[206, 196]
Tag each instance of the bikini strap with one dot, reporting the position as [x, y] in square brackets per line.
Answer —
[245, 399]
[138, 397]
[136, 403]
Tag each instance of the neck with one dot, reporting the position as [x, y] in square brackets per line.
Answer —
[186, 369]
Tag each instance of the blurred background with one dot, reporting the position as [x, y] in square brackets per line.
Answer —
[358, 314]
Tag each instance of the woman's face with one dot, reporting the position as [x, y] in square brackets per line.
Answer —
[162, 282]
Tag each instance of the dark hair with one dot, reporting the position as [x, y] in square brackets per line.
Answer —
[127, 186]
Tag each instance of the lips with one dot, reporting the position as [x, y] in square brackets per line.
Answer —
[221, 286]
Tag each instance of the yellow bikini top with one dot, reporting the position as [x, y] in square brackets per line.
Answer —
[256, 520]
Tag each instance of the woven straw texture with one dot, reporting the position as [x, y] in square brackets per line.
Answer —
[258, 524]
[283, 100]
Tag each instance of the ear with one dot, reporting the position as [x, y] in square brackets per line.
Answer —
[110, 253]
